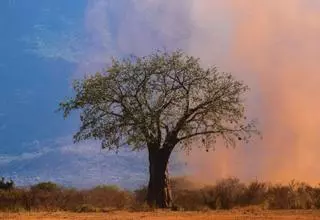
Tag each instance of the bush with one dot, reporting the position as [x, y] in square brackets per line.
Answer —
[225, 194]
[181, 183]
[300, 195]
[105, 196]
[191, 200]
[6, 185]
[278, 197]
[48, 196]
[46, 186]
[45, 196]
[316, 197]
[13, 200]
[255, 193]
[140, 195]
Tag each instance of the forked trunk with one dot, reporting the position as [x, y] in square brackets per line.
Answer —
[159, 193]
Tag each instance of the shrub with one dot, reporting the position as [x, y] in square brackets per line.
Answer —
[181, 183]
[105, 196]
[13, 200]
[255, 193]
[46, 186]
[45, 196]
[300, 195]
[278, 197]
[6, 185]
[226, 194]
[316, 197]
[191, 200]
[71, 199]
[140, 194]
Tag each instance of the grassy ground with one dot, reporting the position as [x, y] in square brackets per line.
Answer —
[157, 215]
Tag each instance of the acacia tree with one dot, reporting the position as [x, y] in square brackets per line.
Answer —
[159, 102]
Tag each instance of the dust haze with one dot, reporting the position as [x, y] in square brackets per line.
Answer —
[272, 45]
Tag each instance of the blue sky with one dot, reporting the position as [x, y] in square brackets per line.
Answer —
[33, 79]
[41, 45]
[31, 84]
[44, 45]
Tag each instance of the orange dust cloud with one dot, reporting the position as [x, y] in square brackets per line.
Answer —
[275, 47]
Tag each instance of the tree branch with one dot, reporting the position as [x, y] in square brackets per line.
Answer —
[221, 131]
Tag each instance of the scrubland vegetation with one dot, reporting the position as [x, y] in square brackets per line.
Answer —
[223, 195]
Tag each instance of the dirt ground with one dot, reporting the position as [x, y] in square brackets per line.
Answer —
[157, 215]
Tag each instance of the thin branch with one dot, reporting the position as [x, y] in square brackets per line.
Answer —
[221, 131]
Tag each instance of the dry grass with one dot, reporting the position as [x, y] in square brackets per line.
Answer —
[157, 215]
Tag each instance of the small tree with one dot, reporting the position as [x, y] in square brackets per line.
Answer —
[6, 185]
[159, 102]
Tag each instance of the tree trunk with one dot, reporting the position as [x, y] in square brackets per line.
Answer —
[159, 193]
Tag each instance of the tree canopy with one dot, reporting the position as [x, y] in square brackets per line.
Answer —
[144, 101]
